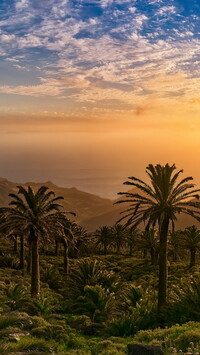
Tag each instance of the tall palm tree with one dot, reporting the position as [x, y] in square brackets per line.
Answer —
[118, 236]
[149, 241]
[159, 203]
[37, 213]
[65, 236]
[174, 244]
[103, 237]
[191, 241]
[81, 240]
[131, 239]
[14, 233]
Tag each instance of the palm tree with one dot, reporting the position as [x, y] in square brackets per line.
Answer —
[14, 233]
[131, 239]
[159, 203]
[37, 213]
[104, 237]
[148, 241]
[174, 244]
[66, 237]
[81, 240]
[191, 241]
[118, 236]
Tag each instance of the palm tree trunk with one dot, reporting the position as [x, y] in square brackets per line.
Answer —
[15, 246]
[66, 258]
[21, 262]
[163, 268]
[192, 257]
[105, 248]
[144, 253]
[29, 258]
[174, 256]
[153, 256]
[56, 248]
[35, 274]
[131, 249]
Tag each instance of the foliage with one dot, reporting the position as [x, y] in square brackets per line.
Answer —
[17, 295]
[104, 237]
[90, 273]
[97, 303]
[27, 344]
[118, 234]
[159, 203]
[7, 321]
[52, 278]
[185, 300]
[8, 261]
[42, 306]
[56, 332]
[191, 240]
[128, 298]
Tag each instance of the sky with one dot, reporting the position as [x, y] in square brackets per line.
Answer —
[93, 91]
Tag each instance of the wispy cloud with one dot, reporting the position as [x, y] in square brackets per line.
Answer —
[101, 51]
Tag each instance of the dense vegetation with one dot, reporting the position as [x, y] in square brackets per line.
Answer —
[64, 290]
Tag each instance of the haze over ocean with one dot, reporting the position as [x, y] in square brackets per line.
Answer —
[99, 182]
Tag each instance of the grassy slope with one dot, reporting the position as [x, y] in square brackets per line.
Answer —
[21, 334]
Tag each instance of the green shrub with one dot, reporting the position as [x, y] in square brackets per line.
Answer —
[184, 301]
[52, 277]
[95, 329]
[8, 321]
[96, 302]
[27, 344]
[17, 295]
[37, 322]
[184, 340]
[40, 306]
[80, 322]
[128, 298]
[90, 273]
[8, 261]
[56, 332]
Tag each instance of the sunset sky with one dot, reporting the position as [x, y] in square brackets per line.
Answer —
[93, 91]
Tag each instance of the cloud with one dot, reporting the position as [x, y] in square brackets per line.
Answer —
[48, 87]
[21, 5]
[166, 10]
[125, 51]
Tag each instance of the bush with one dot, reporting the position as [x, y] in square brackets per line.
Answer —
[8, 261]
[97, 303]
[8, 321]
[90, 273]
[141, 315]
[184, 340]
[37, 322]
[26, 344]
[56, 332]
[17, 296]
[51, 277]
[80, 322]
[40, 307]
[119, 327]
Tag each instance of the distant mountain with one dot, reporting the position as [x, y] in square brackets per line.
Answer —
[84, 204]
[110, 217]
[92, 211]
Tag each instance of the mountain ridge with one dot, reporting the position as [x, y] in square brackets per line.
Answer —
[92, 210]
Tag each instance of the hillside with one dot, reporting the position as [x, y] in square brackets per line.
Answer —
[92, 211]
[85, 205]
